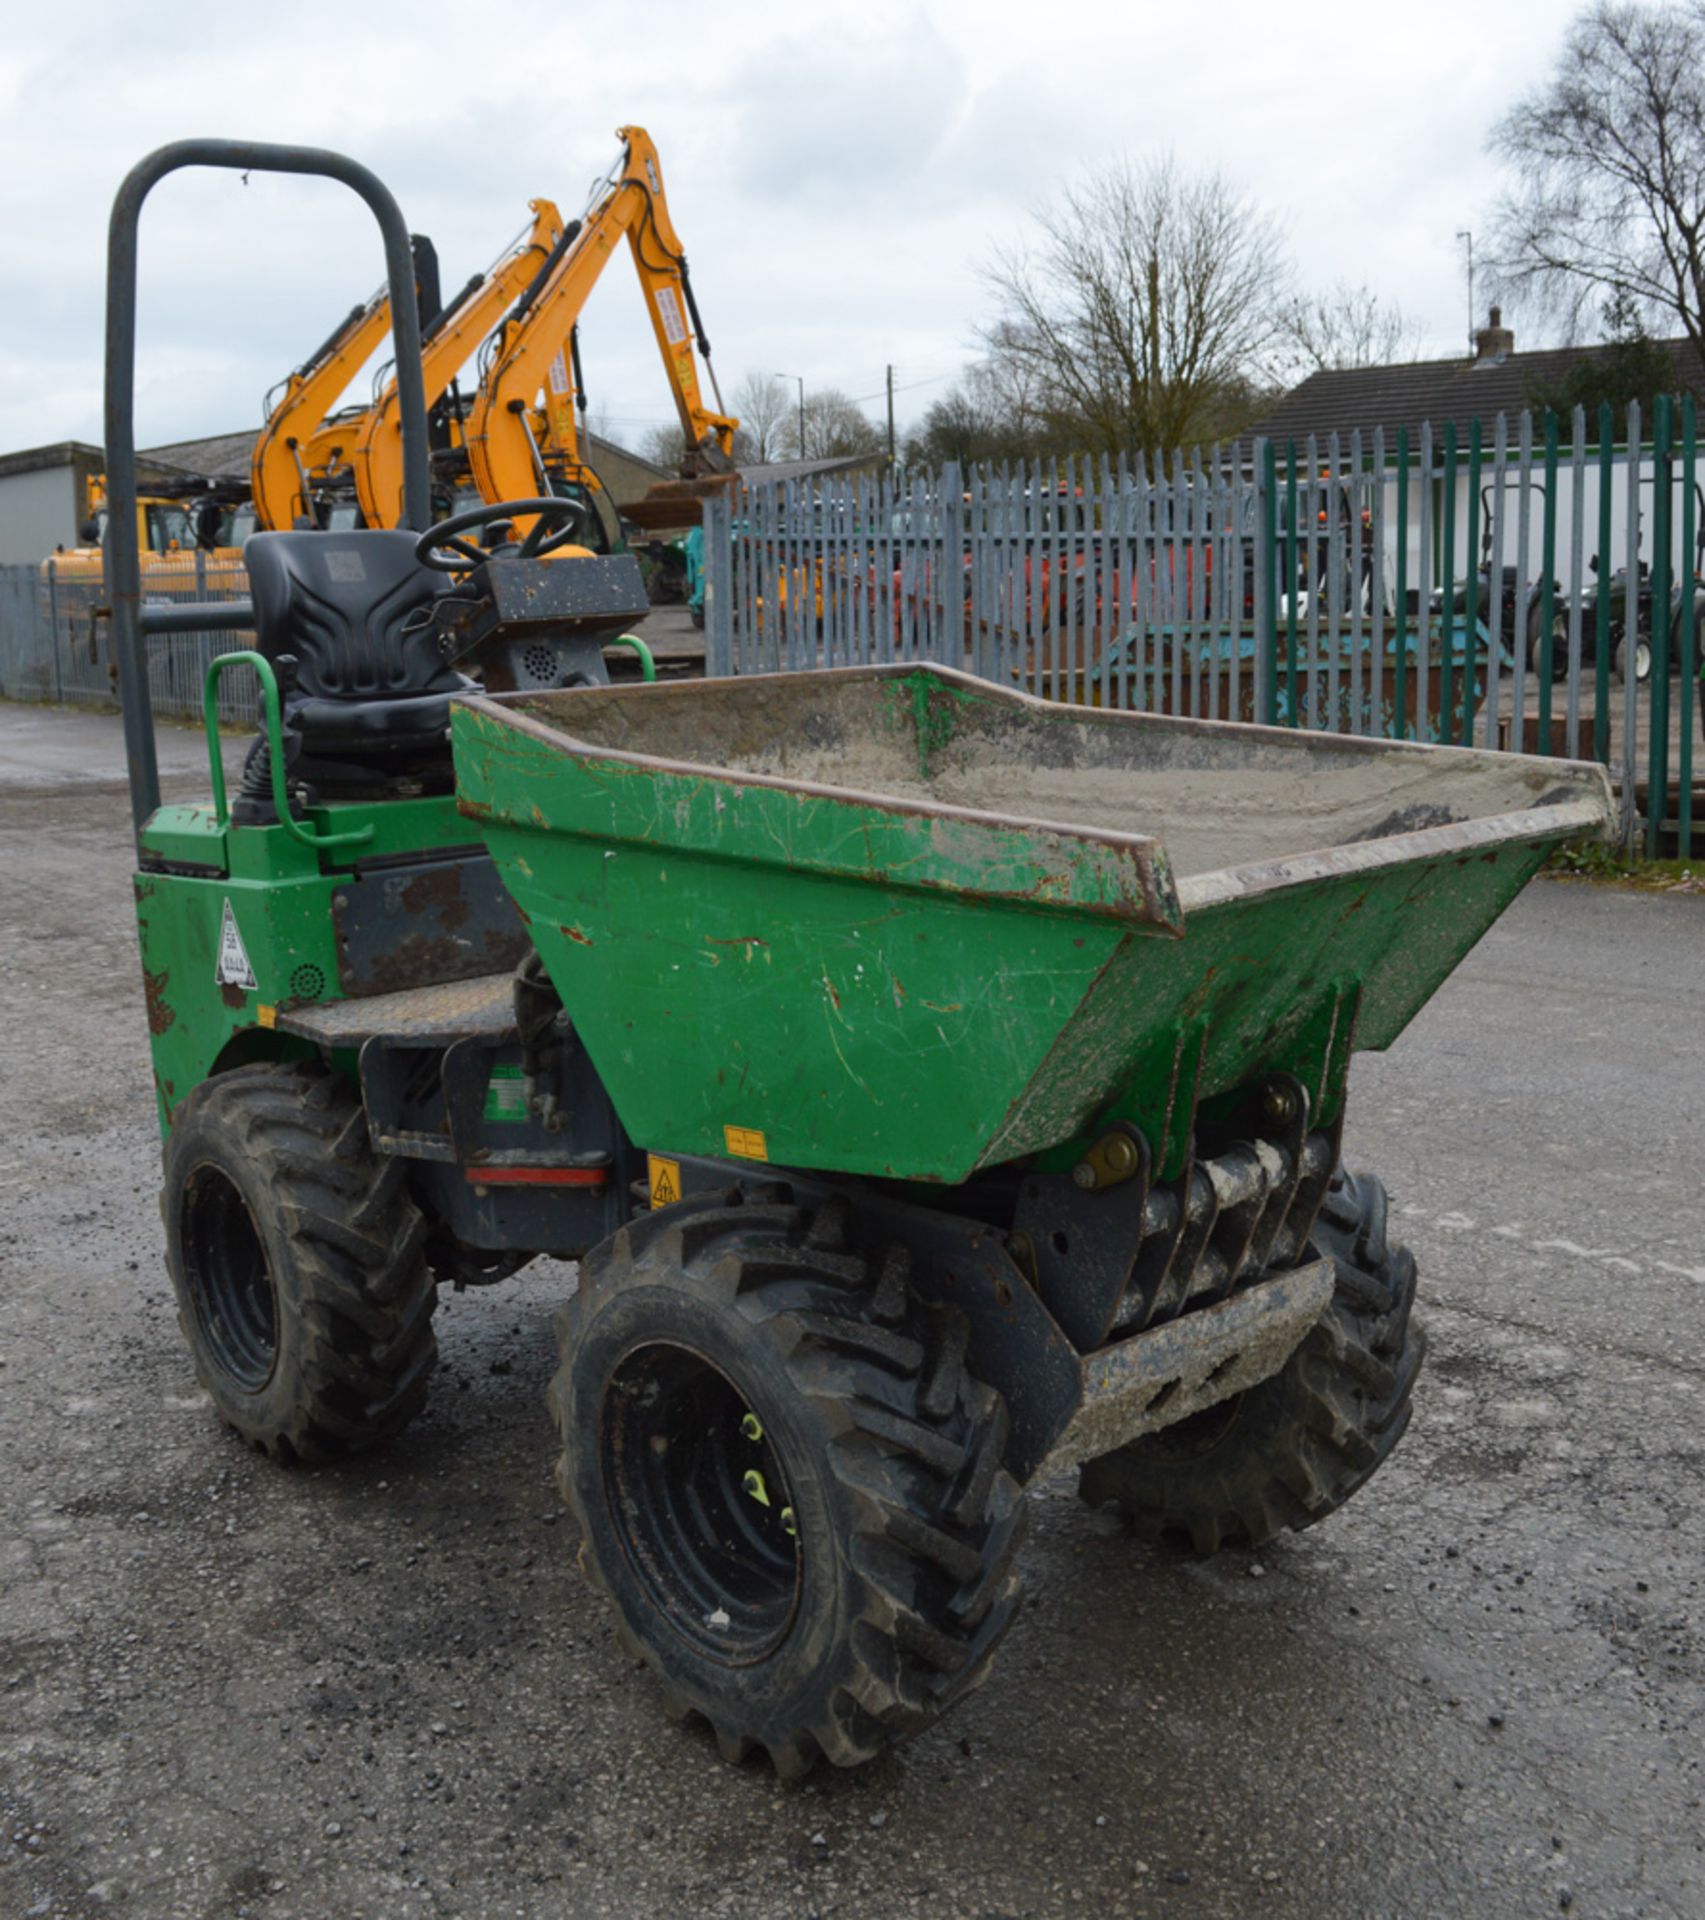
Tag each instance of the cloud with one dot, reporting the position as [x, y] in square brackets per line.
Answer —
[845, 120]
[836, 172]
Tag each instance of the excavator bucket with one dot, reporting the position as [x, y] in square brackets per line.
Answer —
[676, 503]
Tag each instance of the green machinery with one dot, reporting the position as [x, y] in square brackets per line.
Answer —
[939, 1088]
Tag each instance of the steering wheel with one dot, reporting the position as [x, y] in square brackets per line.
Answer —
[557, 523]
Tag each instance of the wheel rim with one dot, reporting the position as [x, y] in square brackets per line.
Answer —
[701, 1503]
[230, 1283]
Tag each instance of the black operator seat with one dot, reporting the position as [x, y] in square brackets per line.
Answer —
[369, 701]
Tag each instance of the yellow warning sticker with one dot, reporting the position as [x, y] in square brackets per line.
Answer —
[746, 1143]
[267, 1016]
[665, 1179]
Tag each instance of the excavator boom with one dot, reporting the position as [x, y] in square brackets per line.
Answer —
[447, 347]
[534, 350]
[290, 450]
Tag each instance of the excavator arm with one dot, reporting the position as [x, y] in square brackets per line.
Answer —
[449, 343]
[293, 445]
[533, 351]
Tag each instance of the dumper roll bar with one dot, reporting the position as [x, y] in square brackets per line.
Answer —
[131, 622]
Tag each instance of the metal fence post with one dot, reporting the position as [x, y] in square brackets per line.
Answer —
[719, 583]
[1402, 660]
[53, 632]
[1547, 583]
[1265, 564]
[1601, 577]
[1687, 691]
[1472, 664]
[1291, 587]
[1447, 595]
[949, 590]
[1657, 752]
[1631, 632]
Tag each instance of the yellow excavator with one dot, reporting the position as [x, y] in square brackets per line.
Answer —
[301, 449]
[522, 435]
[350, 461]
[449, 343]
[519, 435]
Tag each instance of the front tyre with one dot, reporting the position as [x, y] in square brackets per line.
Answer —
[788, 1484]
[1559, 649]
[1290, 1451]
[297, 1258]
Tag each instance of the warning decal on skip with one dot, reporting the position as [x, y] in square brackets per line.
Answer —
[233, 969]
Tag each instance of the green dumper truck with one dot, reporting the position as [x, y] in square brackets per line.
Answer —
[938, 1088]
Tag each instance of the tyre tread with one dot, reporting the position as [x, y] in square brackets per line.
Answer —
[360, 1294]
[1341, 1403]
[913, 1438]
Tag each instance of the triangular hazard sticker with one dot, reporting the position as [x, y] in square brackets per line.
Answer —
[233, 969]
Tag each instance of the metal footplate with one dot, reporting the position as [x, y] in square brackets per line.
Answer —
[1152, 1380]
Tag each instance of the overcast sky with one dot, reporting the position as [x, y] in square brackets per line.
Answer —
[837, 173]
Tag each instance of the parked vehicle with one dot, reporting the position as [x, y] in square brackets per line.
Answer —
[1509, 607]
[1640, 654]
[1636, 657]
[939, 1089]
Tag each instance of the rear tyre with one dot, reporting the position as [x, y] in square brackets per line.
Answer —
[298, 1262]
[788, 1484]
[1623, 660]
[1292, 1450]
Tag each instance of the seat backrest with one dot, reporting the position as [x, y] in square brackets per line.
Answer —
[340, 602]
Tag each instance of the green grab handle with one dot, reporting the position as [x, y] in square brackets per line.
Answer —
[647, 665]
[275, 751]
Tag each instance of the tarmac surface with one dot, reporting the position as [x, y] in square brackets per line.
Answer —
[384, 1691]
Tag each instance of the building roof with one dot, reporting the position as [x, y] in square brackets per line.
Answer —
[221, 456]
[226, 456]
[63, 453]
[157, 468]
[1438, 390]
[810, 469]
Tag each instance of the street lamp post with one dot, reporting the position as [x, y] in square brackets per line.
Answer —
[801, 379]
[1464, 235]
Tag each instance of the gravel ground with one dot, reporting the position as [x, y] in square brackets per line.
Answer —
[384, 1691]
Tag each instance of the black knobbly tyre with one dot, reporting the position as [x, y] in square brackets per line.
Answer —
[787, 1482]
[1559, 648]
[298, 1262]
[1290, 1451]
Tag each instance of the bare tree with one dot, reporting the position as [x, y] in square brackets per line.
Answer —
[599, 423]
[1348, 327]
[665, 446]
[834, 426]
[1610, 161]
[765, 409]
[1148, 312]
[991, 412]
[769, 427]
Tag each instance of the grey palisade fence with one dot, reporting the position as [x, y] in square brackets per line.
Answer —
[1468, 585]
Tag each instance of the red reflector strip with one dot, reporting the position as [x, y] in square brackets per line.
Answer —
[538, 1176]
